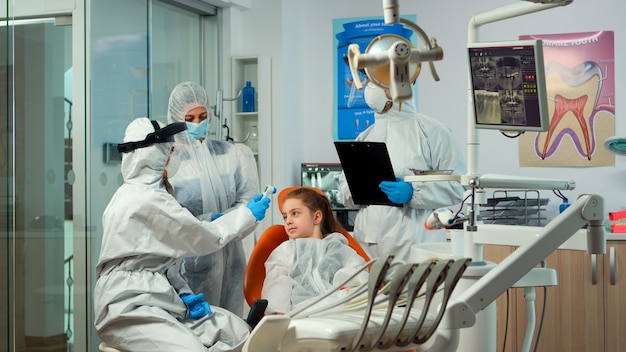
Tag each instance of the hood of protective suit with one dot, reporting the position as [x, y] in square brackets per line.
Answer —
[144, 165]
[184, 97]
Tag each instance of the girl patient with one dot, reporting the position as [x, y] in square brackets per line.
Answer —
[316, 257]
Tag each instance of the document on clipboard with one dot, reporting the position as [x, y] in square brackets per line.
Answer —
[366, 165]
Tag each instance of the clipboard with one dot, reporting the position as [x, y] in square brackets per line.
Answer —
[366, 165]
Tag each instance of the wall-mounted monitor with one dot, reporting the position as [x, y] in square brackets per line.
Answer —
[326, 178]
[509, 86]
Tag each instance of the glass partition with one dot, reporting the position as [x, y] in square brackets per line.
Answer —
[36, 138]
[139, 50]
[6, 181]
[57, 173]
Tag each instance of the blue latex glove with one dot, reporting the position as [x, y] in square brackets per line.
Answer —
[196, 305]
[216, 216]
[259, 206]
[397, 191]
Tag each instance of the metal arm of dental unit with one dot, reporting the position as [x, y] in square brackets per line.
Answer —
[502, 13]
[588, 210]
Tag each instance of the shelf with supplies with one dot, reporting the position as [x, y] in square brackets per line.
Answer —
[253, 128]
[246, 125]
[523, 207]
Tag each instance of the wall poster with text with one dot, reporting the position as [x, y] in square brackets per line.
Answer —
[351, 114]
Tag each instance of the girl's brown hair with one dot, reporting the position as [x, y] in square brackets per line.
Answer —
[316, 201]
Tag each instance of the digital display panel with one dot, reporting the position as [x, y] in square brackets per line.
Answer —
[508, 85]
[326, 178]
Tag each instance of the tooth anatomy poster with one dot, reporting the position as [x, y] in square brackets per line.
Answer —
[580, 84]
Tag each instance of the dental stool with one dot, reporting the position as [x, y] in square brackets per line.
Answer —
[103, 347]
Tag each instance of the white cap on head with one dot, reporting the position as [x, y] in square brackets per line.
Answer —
[184, 97]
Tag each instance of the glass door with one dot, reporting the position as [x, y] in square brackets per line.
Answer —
[36, 142]
[138, 51]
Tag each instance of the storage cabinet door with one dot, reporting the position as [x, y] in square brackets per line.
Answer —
[580, 303]
[615, 293]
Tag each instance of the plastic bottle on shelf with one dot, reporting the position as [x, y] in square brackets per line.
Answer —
[248, 98]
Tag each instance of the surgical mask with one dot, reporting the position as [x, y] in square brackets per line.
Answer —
[376, 98]
[198, 130]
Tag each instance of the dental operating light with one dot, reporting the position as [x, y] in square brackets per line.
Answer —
[393, 62]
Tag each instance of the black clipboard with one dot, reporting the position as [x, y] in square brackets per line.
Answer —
[366, 165]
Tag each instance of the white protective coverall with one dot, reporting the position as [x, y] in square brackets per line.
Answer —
[414, 141]
[146, 234]
[302, 269]
[226, 178]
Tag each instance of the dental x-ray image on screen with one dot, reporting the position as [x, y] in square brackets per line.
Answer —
[326, 178]
[508, 85]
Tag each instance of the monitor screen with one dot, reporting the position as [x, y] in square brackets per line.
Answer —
[508, 85]
[326, 178]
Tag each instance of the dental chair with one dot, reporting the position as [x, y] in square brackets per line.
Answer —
[270, 239]
[377, 318]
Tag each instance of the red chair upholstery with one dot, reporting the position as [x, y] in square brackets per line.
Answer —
[273, 236]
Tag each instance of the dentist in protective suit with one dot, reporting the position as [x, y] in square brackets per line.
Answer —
[141, 300]
[414, 141]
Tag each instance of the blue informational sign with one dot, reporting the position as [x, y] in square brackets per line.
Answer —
[352, 114]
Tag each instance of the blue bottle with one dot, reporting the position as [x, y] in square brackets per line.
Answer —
[248, 98]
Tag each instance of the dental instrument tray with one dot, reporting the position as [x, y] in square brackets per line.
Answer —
[431, 172]
[515, 210]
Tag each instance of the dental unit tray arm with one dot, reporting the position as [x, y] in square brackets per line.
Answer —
[587, 210]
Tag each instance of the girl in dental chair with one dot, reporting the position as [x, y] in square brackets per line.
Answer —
[314, 260]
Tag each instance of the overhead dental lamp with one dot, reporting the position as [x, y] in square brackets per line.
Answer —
[392, 61]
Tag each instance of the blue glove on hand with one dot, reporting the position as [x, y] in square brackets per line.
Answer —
[397, 191]
[259, 206]
[196, 305]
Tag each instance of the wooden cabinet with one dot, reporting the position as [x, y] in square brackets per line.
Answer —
[614, 295]
[584, 312]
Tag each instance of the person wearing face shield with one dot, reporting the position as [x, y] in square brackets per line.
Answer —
[414, 141]
[225, 177]
[141, 300]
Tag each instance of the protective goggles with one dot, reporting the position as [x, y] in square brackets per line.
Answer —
[160, 135]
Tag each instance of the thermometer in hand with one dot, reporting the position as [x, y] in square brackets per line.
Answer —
[269, 190]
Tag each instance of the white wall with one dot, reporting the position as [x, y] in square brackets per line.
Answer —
[299, 38]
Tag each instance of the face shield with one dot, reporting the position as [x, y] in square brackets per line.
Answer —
[160, 135]
[153, 151]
